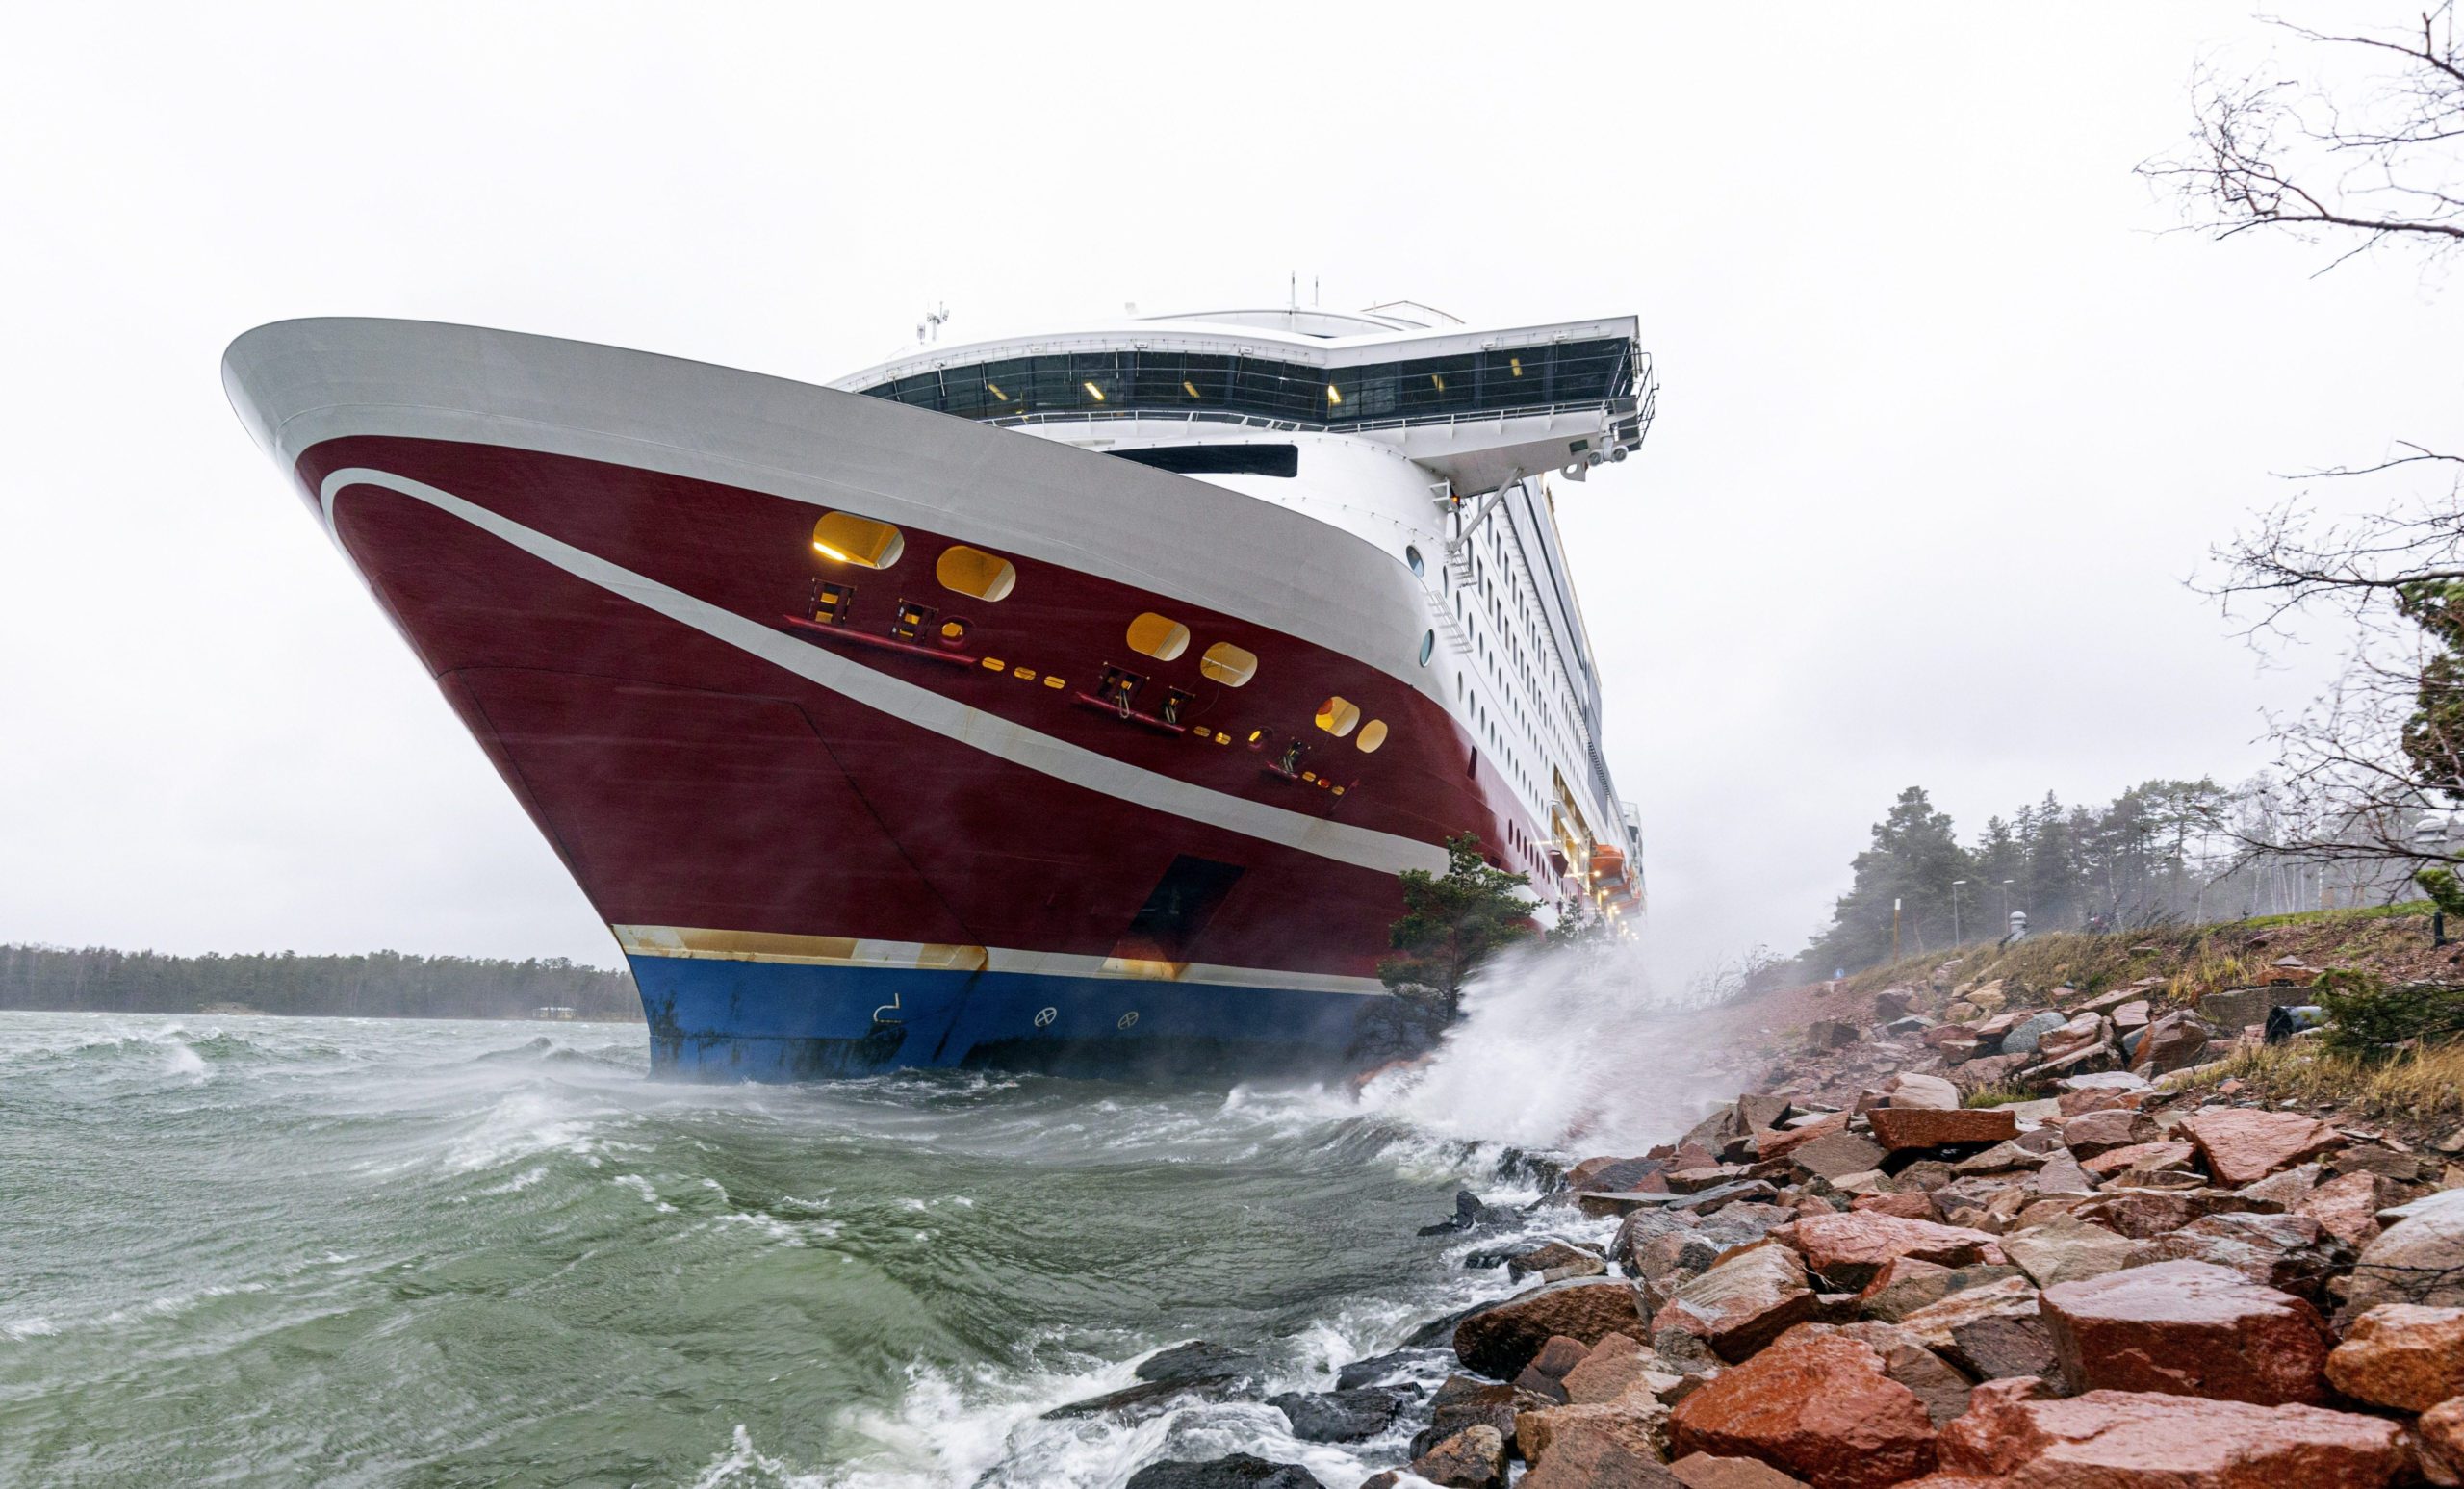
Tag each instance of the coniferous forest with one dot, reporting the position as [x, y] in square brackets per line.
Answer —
[377, 985]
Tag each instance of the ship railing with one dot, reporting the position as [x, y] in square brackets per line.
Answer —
[1618, 410]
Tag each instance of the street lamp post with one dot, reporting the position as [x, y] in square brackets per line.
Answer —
[2006, 897]
[1956, 885]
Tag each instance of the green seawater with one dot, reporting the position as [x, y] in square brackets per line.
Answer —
[248, 1250]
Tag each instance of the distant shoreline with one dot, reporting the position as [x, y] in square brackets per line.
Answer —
[371, 984]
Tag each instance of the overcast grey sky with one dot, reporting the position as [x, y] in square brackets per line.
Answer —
[1946, 421]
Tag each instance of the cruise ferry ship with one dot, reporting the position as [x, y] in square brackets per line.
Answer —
[1067, 703]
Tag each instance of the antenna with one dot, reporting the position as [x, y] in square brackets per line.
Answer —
[929, 329]
[1292, 299]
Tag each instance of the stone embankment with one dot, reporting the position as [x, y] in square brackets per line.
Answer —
[1848, 1278]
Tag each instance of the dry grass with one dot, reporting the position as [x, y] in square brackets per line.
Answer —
[2212, 970]
[2001, 1093]
[2424, 1088]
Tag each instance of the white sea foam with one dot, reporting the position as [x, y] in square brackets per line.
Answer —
[1559, 1052]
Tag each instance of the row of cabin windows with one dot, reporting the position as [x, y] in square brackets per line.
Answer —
[1134, 381]
[870, 544]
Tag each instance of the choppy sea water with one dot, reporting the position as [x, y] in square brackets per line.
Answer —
[254, 1250]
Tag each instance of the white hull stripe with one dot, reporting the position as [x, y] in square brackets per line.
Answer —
[1385, 853]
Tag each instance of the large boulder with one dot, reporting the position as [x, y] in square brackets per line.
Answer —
[2173, 1043]
[1499, 1341]
[1909, 1088]
[1835, 1155]
[2139, 1158]
[1847, 1249]
[1743, 1303]
[2419, 1259]
[2144, 1213]
[2187, 1328]
[1937, 1325]
[2126, 1439]
[1820, 1407]
[2401, 1355]
[1240, 1471]
[2244, 1144]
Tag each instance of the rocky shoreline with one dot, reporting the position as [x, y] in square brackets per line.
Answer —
[2122, 1271]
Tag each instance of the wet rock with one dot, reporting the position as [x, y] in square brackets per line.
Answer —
[2126, 1439]
[1465, 1402]
[2348, 1205]
[2083, 1031]
[2187, 1328]
[2063, 1175]
[2290, 1253]
[1198, 1360]
[1848, 1249]
[1474, 1459]
[1342, 1416]
[1554, 1262]
[2067, 1249]
[2244, 1144]
[2377, 1158]
[1614, 1174]
[1499, 1341]
[1742, 1305]
[1470, 1214]
[1193, 1370]
[2144, 1213]
[1821, 1408]
[1900, 1128]
[2418, 1259]
[1240, 1471]
[2002, 1158]
[1759, 1113]
[1909, 1205]
[1703, 1471]
[1380, 1368]
[2401, 1355]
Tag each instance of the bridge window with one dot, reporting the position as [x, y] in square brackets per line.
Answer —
[1550, 374]
[848, 538]
[1338, 717]
[972, 572]
[1371, 736]
[1229, 664]
[1159, 638]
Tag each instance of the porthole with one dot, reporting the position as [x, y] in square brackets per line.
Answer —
[1159, 638]
[972, 572]
[1338, 717]
[1371, 736]
[1412, 557]
[1428, 646]
[1229, 664]
[858, 540]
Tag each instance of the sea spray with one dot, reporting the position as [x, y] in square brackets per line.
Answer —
[1562, 1050]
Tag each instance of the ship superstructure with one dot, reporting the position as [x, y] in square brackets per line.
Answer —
[1066, 701]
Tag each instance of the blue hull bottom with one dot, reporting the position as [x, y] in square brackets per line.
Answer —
[778, 1021]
